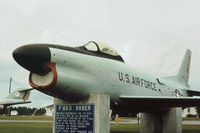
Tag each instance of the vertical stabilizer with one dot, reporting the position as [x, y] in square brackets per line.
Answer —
[184, 71]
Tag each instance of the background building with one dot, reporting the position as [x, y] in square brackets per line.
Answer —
[14, 113]
[49, 110]
[189, 112]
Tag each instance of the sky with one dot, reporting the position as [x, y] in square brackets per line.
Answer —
[152, 36]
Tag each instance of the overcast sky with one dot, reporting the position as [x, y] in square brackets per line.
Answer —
[152, 36]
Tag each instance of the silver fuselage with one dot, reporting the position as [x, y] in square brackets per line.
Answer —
[90, 74]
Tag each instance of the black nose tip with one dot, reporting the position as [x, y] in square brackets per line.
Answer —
[32, 57]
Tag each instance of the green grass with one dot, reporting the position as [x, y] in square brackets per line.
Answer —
[32, 127]
[191, 129]
[51, 118]
[124, 128]
[132, 128]
[43, 118]
[47, 128]
[192, 119]
[26, 127]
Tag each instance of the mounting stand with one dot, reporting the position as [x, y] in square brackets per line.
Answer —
[162, 122]
[101, 113]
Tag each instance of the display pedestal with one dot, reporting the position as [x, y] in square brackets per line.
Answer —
[101, 105]
[162, 122]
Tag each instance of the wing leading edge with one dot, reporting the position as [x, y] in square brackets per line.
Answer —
[193, 92]
[143, 103]
[9, 102]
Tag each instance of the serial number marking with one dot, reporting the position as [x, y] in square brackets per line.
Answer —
[131, 79]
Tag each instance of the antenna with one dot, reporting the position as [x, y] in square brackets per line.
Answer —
[10, 83]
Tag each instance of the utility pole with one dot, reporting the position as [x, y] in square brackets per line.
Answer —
[10, 85]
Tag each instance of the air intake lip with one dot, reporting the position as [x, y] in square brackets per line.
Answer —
[46, 80]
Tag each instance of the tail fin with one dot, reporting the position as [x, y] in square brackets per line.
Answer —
[20, 94]
[184, 71]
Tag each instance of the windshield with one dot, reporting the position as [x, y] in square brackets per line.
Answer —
[91, 46]
[102, 47]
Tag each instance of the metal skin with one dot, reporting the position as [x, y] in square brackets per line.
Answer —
[19, 96]
[72, 74]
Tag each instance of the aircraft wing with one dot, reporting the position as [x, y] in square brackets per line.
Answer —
[193, 92]
[158, 102]
[13, 101]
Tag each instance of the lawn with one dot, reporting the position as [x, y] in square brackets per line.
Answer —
[25, 127]
[32, 127]
[43, 118]
[47, 128]
[124, 128]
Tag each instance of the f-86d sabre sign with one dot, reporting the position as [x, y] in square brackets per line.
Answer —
[72, 118]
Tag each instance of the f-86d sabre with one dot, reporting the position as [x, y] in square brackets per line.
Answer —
[72, 73]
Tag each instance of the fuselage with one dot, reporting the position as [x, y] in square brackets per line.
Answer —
[93, 74]
[73, 73]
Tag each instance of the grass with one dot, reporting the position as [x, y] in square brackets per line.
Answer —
[191, 129]
[43, 118]
[132, 128]
[191, 119]
[124, 128]
[25, 127]
[47, 128]
[15, 127]
[46, 118]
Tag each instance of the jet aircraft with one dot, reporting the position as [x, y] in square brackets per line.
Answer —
[19, 96]
[72, 73]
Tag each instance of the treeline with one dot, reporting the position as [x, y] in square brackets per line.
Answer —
[27, 110]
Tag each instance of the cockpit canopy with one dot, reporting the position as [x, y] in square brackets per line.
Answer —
[103, 50]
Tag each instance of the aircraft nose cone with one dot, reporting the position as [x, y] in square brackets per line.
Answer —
[32, 57]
